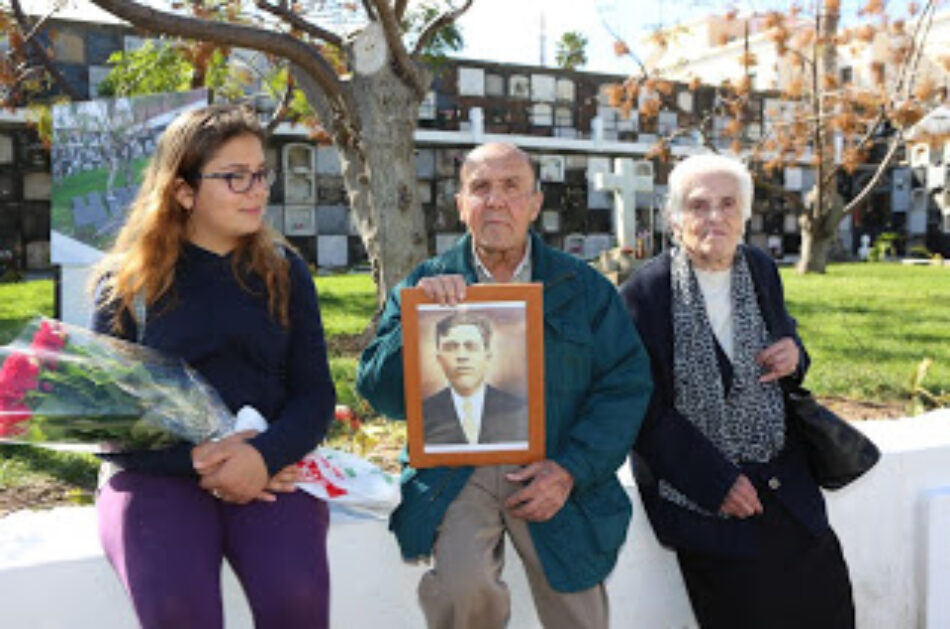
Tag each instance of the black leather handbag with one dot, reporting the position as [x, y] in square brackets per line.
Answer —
[838, 452]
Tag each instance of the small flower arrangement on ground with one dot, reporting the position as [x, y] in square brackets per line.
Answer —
[348, 431]
[62, 384]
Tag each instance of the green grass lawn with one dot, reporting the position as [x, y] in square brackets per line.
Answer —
[347, 303]
[867, 327]
[21, 302]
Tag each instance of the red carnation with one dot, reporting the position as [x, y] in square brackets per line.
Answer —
[49, 337]
[18, 375]
[12, 414]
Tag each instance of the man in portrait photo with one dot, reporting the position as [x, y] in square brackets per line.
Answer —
[469, 410]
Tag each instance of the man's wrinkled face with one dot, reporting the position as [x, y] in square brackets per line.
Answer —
[464, 357]
[498, 200]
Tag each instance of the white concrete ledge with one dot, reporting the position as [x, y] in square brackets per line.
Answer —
[893, 525]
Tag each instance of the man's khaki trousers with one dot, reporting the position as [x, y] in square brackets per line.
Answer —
[464, 589]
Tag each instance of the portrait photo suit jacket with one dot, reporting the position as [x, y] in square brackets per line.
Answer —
[597, 385]
[504, 418]
[670, 447]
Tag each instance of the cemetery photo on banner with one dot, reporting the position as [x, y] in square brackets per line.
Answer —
[100, 149]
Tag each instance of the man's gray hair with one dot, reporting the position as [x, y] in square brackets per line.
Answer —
[686, 170]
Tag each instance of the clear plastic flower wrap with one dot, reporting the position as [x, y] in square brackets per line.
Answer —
[62, 384]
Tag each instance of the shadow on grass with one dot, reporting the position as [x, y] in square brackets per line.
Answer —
[76, 469]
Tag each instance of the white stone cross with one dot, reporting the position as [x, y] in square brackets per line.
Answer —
[624, 186]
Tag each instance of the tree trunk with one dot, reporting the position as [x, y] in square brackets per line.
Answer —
[814, 252]
[819, 227]
[823, 206]
[390, 219]
[376, 145]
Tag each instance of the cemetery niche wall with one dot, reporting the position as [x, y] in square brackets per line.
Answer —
[25, 190]
[563, 118]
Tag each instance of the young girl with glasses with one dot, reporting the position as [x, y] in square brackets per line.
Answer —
[226, 293]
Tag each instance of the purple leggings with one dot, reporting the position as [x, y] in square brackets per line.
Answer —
[166, 537]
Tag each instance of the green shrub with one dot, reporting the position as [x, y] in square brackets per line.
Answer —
[884, 247]
[920, 252]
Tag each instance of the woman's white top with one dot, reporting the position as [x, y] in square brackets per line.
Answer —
[716, 287]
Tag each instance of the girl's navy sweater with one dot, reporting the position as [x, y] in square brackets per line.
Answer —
[225, 332]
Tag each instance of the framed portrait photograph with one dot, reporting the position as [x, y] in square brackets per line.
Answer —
[474, 376]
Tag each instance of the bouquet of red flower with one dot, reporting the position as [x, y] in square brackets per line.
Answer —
[62, 384]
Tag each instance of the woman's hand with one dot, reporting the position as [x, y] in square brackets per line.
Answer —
[283, 482]
[742, 500]
[778, 360]
[232, 469]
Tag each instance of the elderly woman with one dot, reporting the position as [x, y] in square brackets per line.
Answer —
[724, 482]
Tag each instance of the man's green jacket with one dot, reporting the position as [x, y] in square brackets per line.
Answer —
[597, 386]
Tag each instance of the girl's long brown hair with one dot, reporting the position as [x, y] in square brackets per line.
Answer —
[144, 257]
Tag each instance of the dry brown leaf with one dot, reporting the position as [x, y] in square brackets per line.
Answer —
[906, 114]
[650, 107]
[925, 89]
[748, 59]
[614, 95]
[864, 33]
[873, 7]
[660, 150]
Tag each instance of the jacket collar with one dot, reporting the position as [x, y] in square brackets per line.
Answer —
[458, 259]
[558, 279]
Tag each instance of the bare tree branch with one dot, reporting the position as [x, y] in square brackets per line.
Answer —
[904, 83]
[895, 143]
[909, 68]
[41, 22]
[370, 12]
[613, 33]
[399, 9]
[39, 52]
[803, 58]
[868, 135]
[283, 107]
[292, 18]
[304, 56]
[429, 30]
[404, 65]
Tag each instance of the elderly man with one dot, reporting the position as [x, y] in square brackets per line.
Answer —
[470, 410]
[566, 515]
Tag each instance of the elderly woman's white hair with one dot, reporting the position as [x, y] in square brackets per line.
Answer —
[685, 171]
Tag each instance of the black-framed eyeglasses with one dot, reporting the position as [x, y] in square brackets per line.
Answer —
[242, 181]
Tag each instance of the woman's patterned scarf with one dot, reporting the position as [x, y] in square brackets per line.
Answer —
[748, 424]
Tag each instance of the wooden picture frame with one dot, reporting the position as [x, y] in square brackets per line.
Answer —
[447, 355]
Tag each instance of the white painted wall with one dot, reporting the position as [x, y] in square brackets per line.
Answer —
[893, 525]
